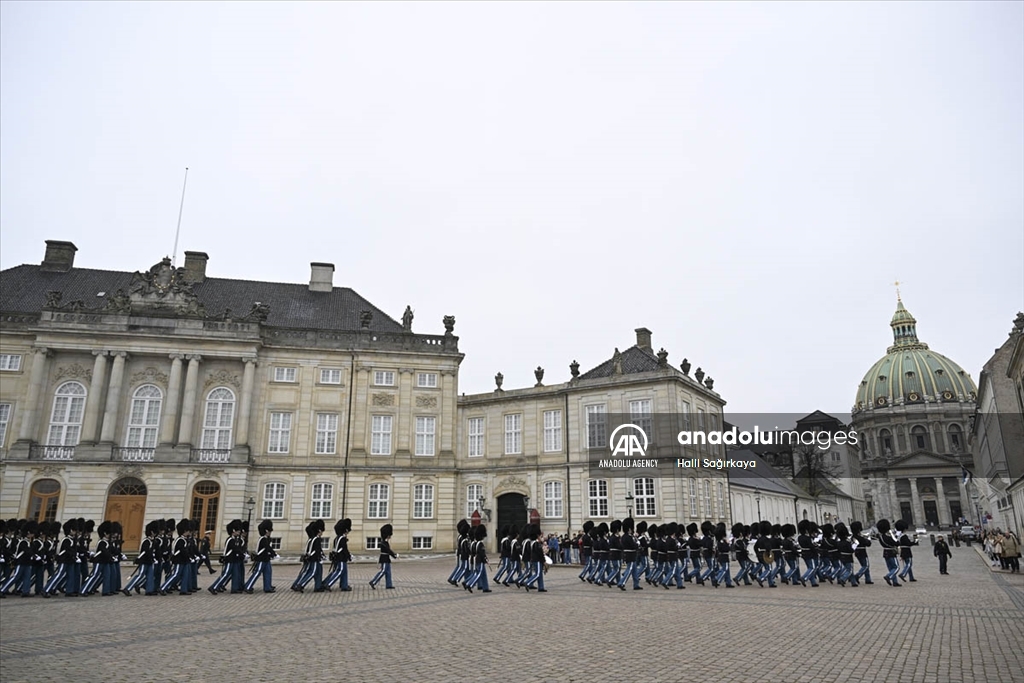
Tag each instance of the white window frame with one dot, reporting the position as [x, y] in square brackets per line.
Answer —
[597, 497]
[692, 492]
[326, 434]
[426, 430]
[321, 500]
[474, 492]
[10, 362]
[330, 375]
[713, 426]
[275, 542]
[67, 414]
[552, 431]
[426, 380]
[144, 417]
[218, 433]
[280, 438]
[513, 434]
[553, 499]
[423, 501]
[422, 542]
[384, 378]
[641, 414]
[6, 411]
[645, 497]
[289, 375]
[709, 511]
[380, 434]
[475, 429]
[686, 416]
[373, 542]
[378, 501]
[597, 427]
[721, 500]
[273, 500]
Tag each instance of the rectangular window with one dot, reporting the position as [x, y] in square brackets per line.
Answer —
[330, 376]
[372, 542]
[426, 380]
[322, 499]
[326, 433]
[378, 502]
[700, 419]
[552, 431]
[280, 432]
[425, 427]
[640, 415]
[598, 497]
[476, 437]
[687, 424]
[552, 499]
[597, 436]
[380, 435]
[5, 418]
[384, 378]
[694, 512]
[721, 500]
[708, 511]
[284, 374]
[835, 456]
[275, 543]
[10, 362]
[422, 542]
[423, 501]
[273, 501]
[474, 492]
[513, 434]
[713, 417]
[643, 497]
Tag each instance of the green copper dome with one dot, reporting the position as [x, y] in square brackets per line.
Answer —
[911, 373]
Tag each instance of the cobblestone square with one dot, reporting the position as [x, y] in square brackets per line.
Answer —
[968, 626]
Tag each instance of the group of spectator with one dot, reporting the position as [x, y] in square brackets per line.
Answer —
[1003, 549]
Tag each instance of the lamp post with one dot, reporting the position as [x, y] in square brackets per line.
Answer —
[250, 505]
[480, 505]
[629, 504]
[757, 497]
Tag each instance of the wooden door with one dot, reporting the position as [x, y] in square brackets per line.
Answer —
[205, 504]
[130, 511]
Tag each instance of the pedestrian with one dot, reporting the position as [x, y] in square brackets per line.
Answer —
[1011, 551]
[204, 552]
[384, 561]
[941, 551]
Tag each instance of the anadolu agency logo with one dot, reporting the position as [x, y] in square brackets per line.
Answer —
[628, 443]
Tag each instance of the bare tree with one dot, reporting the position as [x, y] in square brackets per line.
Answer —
[813, 469]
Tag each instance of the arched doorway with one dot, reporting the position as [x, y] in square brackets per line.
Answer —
[43, 500]
[205, 504]
[126, 503]
[511, 510]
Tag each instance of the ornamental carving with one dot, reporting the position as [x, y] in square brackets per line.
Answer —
[511, 483]
[164, 290]
[49, 470]
[383, 399]
[129, 471]
[208, 473]
[73, 371]
[149, 376]
[222, 377]
[426, 401]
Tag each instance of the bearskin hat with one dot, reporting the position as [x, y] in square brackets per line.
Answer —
[737, 529]
[746, 529]
[776, 529]
[339, 527]
[265, 526]
[802, 526]
[88, 526]
[386, 531]
[150, 528]
[104, 528]
[169, 525]
[641, 527]
[311, 530]
[828, 530]
[116, 528]
[245, 526]
[653, 530]
[901, 525]
[183, 526]
[765, 528]
[842, 531]
[616, 526]
[856, 527]
[691, 528]
[195, 525]
[587, 526]
[707, 528]
[535, 531]
[481, 532]
[814, 527]
[462, 527]
[513, 531]
[788, 530]
[628, 525]
[883, 526]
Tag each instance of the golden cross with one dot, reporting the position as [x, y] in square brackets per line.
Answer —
[897, 285]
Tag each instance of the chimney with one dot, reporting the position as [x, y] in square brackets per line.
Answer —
[60, 256]
[643, 338]
[195, 266]
[321, 277]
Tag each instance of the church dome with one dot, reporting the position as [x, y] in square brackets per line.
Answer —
[910, 372]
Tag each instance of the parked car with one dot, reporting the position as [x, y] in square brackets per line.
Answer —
[920, 531]
[968, 533]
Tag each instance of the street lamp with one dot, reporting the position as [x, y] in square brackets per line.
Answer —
[480, 505]
[757, 497]
[629, 503]
[250, 505]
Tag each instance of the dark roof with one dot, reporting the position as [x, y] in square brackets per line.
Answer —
[634, 360]
[23, 290]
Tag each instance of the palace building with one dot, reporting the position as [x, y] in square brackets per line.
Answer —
[167, 393]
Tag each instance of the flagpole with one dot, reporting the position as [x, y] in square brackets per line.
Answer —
[181, 207]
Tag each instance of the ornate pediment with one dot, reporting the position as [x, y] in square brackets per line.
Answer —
[921, 459]
[149, 376]
[163, 290]
[73, 371]
[511, 483]
[129, 471]
[223, 377]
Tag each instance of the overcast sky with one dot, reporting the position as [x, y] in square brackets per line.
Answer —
[746, 180]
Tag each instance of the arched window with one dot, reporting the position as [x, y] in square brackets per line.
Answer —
[144, 419]
[919, 437]
[885, 442]
[220, 413]
[42, 503]
[956, 438]
[273, 500]
[128, 486]
[66, 418]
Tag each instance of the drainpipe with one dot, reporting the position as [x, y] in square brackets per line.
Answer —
[348, 432]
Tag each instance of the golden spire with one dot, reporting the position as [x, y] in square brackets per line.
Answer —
[897, 286]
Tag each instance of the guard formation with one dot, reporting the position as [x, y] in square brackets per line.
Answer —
[521, 558]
